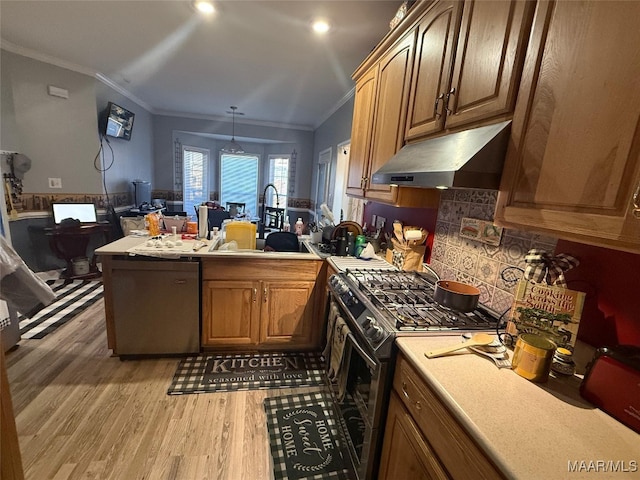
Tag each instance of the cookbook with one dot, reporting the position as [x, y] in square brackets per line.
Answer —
[547, 310]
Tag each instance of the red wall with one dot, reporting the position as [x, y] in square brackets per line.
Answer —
[416, 217]
[611, 280]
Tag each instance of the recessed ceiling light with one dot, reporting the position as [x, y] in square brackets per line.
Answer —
[204, 6]
[320, 26]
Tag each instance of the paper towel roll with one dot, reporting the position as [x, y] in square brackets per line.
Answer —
[202, 221]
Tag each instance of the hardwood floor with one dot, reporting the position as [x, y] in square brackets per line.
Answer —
[83, 414]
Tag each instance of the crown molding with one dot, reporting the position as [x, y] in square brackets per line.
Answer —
[347, 96]
[35, 55]
[42, 57]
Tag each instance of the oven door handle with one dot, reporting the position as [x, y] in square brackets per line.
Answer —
[354, 344]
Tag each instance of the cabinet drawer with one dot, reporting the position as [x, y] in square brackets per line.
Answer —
[457, 451]
[238, 268]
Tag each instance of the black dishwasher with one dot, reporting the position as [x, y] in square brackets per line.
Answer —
[156, 307]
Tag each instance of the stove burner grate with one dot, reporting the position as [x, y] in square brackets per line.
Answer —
[408, 299]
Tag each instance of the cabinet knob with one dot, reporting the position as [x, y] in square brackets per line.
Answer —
[264, 292]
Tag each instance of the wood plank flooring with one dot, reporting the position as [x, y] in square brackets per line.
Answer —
[84, 414]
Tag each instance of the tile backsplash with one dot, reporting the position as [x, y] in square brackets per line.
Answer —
[495, 270]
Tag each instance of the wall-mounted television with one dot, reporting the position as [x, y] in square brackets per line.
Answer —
[119, 122]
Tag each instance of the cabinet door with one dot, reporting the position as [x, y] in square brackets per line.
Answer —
[230, 313]
[363, 109]
[432, 69]
[488, 60]
[287, 314]
[405, 453]
[573, 165]
[394, 76]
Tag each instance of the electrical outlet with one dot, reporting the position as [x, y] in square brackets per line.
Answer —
[55, 183]
[380, 221]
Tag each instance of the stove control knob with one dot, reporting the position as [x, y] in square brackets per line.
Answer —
[372, 329]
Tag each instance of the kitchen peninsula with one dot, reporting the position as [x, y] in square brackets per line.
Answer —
[158, 299]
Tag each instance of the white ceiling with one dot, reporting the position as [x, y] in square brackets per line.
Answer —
[258, 55]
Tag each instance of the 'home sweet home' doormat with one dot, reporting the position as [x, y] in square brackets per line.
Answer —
[222, 373]
[304, 439]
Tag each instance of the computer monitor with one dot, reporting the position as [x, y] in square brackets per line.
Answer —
[85, 212]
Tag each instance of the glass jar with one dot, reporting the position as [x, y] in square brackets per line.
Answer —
[563, 362]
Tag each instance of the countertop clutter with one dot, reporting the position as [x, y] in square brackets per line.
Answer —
[144, 246]
[528, 430]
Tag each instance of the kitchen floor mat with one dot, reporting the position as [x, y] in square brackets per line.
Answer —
[72, 297]
[304, 439]
[223, 373]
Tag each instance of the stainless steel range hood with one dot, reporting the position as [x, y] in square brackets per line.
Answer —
[469, 159]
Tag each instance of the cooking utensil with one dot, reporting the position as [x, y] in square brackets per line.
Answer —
[456, 295]
[475, 340]
[398, 231]
[500, 359]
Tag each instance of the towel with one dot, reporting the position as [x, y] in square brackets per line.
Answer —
[331, 321]
[337, 371]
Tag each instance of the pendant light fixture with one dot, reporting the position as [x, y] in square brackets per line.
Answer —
[233, 146]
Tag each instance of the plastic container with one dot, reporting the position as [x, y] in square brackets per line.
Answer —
[244, 234]
[299, 227]
[287, 226]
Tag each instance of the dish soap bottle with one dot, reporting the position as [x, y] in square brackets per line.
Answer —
[286, 227]
[299, 227]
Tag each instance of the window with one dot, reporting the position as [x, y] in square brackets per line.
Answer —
[196, 178]
[279, 176]
[239, 181]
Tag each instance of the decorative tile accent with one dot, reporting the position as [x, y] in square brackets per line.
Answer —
[468, 262]
[487, 270]
[502, 301]
[486, 292]
[477, 263]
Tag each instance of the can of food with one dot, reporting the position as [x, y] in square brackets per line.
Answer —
[361, 242]
[192, 227]
[532, 357]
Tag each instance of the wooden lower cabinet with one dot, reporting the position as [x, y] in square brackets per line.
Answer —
[423, 439]
[288, 310]
[406, 453]
[247, 306]
[230, 313]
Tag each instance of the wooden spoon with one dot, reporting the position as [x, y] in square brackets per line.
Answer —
[475, 340]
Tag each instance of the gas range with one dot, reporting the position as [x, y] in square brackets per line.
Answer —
[385, 304]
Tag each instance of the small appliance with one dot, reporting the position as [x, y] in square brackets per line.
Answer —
[612, 383]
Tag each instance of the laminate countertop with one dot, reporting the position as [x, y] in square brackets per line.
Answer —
[529, 430]
[138, 246]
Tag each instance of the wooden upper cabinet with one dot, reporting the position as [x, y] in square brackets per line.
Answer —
[573, 166]
[468, 63]
[437, 33]
[363, 109]
[394, 75]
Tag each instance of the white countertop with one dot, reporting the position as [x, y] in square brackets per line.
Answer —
[530, 430]
[136, 246]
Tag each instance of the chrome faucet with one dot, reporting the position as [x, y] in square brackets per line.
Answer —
[263, 216]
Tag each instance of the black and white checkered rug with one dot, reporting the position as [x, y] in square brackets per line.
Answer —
[221, 373]
[304, 439]
[72, 297]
